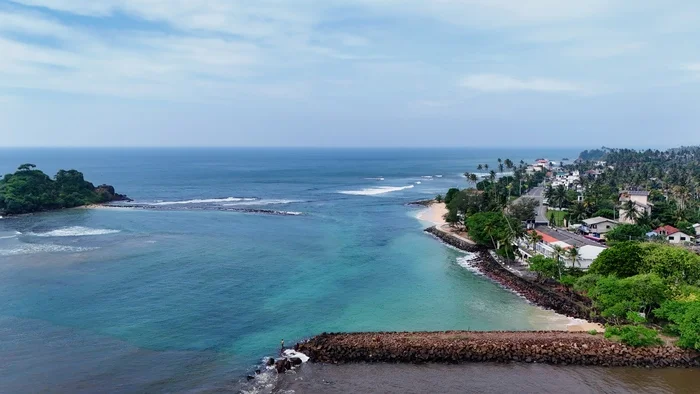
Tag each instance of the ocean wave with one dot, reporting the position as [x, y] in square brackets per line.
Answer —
[419, 182]
[75, 231]
[427, 177]
[438, 176]
[375, 190]
[261, 202]
[375, 179]
[43, 248]
[467, 261]
[202, 201]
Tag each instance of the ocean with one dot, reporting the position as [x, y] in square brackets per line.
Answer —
[190, 293]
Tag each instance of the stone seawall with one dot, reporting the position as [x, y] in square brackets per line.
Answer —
[549, 347]
[559, 300]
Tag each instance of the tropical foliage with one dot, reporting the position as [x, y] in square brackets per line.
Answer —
[30, 190]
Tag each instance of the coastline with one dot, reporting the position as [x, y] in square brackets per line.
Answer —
[551, 318]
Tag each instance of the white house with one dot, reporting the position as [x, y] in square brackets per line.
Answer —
[674, 235]
[697, 228]
[587, 253]
[641, 204]
[598, 226]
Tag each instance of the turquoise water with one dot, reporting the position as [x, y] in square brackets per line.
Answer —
[185, 297]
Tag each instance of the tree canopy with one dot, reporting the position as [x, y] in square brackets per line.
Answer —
[30, 190]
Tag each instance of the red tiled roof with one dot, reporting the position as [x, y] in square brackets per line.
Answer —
[668, 230]
[546, 238]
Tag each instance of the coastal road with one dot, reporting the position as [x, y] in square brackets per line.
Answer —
[541, 211]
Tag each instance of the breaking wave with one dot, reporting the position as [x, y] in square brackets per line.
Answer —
[375, 179]
[75, 231]
[375, 190]
[42, 248]
[467, 262]
[260, 202]
[202, 201]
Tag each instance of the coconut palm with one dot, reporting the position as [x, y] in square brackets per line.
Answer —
[574, 255]
[533, 238]
[500, 167]
[473, 178]
[508, 163]
[479, 167]
[631, 213]
[486, 166]
[558, 253]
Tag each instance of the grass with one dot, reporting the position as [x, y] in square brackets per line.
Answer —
[558, 217]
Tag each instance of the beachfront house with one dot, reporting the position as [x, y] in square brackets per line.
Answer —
[641, 205]
[551, 239]
[598, 226]
[674, 235]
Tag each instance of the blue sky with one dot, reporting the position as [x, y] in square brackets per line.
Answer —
[349, 73]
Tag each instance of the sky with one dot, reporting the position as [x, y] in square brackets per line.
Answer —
[330, 73]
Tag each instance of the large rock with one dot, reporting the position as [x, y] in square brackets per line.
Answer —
[109, 194]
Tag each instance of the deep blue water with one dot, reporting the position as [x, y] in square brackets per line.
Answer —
[185, 299]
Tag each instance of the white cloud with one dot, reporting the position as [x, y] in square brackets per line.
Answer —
[495, 83]
[694, 67]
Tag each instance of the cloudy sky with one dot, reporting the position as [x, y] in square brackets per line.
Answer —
[349, 73]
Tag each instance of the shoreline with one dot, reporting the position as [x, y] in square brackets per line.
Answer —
[433, 213]
[575, 310]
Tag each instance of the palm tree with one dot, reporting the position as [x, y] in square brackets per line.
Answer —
[500, 167]
[508, 163]
[631, 213]
[479, 167]
[486, 166]
[558, 252]
[473, 178]
[577, 212]
[574, 255]
[560, 195]
[533, 238]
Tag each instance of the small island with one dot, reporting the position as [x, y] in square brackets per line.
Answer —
[29, 190]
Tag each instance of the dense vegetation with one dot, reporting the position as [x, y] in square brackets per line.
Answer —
[633, 283]
[30, 190]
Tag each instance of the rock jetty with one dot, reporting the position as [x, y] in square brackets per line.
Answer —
[548, 347]
[560, 300]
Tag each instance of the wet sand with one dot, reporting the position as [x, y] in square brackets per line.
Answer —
[434, 214]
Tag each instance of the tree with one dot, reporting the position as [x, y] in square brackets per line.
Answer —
[533, 238]
[545, 267]
[627, 232]
[673, 263]
[622, 259]
[524, 208]
[491, 228]
[438, 198]
[615, 297]
[574, 255]
[558, 253]
[450, 195]
[630, 211]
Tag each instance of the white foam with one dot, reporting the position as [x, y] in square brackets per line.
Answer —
[427, 177]
[8, 237]
[467, 261]
[375, 179]
[438, 176]
[75, 231]
[292, 353]
[375, 190]
[43, 248]
[293, 213]
[261, 202]
[203, 201]
[418, 183]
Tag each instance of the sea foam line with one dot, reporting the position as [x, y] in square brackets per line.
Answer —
[202, 201]
[75, 231]
[261, 202]
[43, 248]
[375, 190]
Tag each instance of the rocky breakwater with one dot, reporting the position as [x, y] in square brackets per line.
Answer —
[549, 347]
[557, 299]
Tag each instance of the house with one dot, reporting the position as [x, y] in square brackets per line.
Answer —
[598, 226]
[697, 228]
[674, 235]
[551, 238]
[641, 204]
[567, 179]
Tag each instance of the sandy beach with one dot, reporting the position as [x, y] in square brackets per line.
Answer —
[434, 214]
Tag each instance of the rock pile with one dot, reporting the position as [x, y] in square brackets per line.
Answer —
[550, 347]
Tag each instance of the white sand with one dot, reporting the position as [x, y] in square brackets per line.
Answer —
[434, 214]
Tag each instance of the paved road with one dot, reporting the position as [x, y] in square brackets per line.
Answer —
[538, 194]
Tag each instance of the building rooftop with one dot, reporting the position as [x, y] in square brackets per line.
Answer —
[668, 230]
[636, 193]
[564, 236]
[596, 220]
